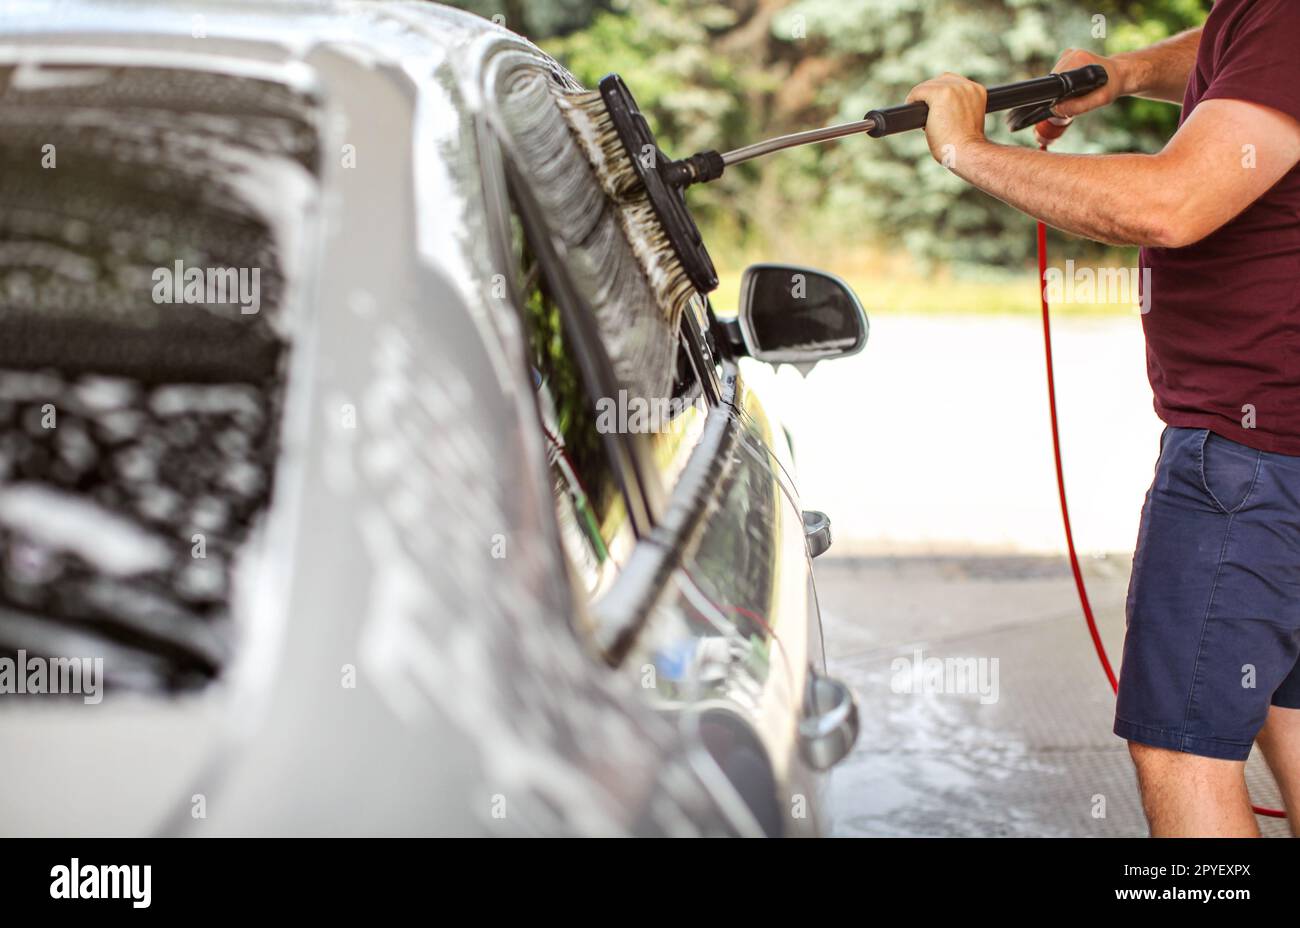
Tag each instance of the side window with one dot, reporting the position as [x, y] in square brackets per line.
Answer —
[594, 525]
[660, 394]
[675, 427]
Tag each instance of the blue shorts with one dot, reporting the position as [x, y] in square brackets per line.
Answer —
[1213, 612]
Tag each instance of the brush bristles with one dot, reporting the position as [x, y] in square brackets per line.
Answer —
[588, 117]
[610, 258]
[667, 276]
[591, 123]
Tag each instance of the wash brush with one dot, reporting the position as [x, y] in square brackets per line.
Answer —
[649, 185]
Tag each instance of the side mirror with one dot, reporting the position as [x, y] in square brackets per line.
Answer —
[796, 315]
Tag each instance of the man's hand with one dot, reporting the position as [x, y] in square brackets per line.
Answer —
[1159, 72]
[956, 116]
[1076, 106]
[1073, 58]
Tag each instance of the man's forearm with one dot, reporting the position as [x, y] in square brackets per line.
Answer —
[1160, 71]
[1203, 178]
[1120, 199]
[1108, 198]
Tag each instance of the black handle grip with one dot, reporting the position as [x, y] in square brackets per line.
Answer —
[1047, 89]
[1083, 80]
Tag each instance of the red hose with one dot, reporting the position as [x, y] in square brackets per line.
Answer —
[1060, 484]
[1060, 469]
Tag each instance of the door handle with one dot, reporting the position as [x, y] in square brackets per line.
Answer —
[817, 532]
[829, 727]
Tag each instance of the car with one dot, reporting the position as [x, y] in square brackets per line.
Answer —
[352, 481]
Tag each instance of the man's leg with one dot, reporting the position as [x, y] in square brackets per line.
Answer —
[1280, 742]
[1189, 796]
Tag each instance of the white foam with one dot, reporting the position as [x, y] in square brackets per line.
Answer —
[67, 522]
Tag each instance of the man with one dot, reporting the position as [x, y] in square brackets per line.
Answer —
[1210, 655]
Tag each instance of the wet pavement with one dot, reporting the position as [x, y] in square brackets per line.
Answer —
[1006, 730]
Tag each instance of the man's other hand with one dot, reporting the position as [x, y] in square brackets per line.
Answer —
[956, 117]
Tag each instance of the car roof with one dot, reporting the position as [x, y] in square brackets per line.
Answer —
[296, 25]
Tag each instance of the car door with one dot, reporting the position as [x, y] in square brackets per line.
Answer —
[708, 613]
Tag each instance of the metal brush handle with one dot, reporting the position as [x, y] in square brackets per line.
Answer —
[906, 116]
[1040, 90]
[806, 137]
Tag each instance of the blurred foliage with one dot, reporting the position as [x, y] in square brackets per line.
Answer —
[536, 19]
[721, 73]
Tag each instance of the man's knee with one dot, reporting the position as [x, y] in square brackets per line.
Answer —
[1187, 795]
[1146, 757]
[1140, 752]
[1154, 764]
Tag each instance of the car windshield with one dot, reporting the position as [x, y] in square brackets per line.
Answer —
[144, 338]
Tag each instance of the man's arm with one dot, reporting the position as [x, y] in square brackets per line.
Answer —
[1158, 72]
[1224, 157]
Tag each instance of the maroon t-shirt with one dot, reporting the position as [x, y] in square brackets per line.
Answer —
[1223, 328]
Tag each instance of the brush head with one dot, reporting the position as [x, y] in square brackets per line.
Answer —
[635, 165]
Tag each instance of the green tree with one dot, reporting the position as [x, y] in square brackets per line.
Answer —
[884, 48]
[721, 73]
[537, 19]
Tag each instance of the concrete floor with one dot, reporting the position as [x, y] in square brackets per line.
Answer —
[1038, 761]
